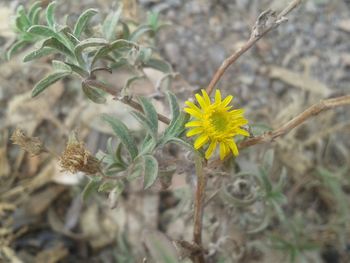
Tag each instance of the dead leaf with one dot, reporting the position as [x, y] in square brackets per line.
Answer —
[52, 255]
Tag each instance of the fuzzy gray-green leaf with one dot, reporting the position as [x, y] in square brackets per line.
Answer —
[47, 81]
[54, 43]
[110, 24]
[150, 112]
[16, 46]
[32, 10]
[93, 94]
[134, 36]
[146, 124]
[50, 16]
[90, 187]
[174, 106]
[123, 134]
[114, 46]
[158, 64]
[151, 171]
[82, 21]
[41, 52]
[88, 43]
[42, 31]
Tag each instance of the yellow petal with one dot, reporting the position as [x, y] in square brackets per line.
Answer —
[227, 100]
[223, 151]
[206, 97]
[200, 141]
[193, 113]
[194, 131]
[233, 147]
[217, 96]
[210, 150]
[193, 124]
[243, 132]
[192, 105]
[201, 101]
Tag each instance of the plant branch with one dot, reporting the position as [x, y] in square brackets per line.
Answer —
[262, 26]
[298, 120]
[134, 104]
[198, 209]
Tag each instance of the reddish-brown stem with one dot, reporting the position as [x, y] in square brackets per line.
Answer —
[127, 101]
[260, 29]
[198, 209]
[298, 120]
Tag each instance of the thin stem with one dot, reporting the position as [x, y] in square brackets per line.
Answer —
[260, 29]
[198, 208]
[134, 104]
[298, 120]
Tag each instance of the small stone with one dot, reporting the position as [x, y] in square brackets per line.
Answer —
[172, 51]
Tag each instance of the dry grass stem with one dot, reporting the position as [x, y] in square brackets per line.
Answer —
[298, 120]
[260, 29]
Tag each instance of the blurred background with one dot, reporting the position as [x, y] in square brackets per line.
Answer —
[286, 201]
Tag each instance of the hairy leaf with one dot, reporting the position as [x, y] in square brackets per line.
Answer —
[123, 134]
[158, 64]
[134, 36]
[88, 43]
[50, 16]
[110, 24]
[47, 81]
[93, 94]
[82, 21]
[41, 52]
[151, 171]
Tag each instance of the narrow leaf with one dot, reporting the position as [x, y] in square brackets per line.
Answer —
[88, 43]
[15, 47]
[42, 31]
[176, 127]
[50, 16]
[116, 45]
[82, 21]
[36, 16]
[47, 81]
[60, 66]
[22, 21]
[151, 171]
[124, 135]
[33, 10]
[134, 36]
[145, 123]
[111, 22]
[90, 187]
[41, 52]
[150, 112]
[174, 106]
[93, 94]
[158, 64]
[54, 43]
[80, 71]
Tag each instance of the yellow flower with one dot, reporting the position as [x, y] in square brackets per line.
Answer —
[215, 123]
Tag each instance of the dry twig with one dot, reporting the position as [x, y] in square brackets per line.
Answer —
[261, 28]
[298, 120]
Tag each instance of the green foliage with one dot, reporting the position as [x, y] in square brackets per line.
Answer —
[81, 54]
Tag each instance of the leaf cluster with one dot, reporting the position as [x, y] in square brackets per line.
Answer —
[81, 54]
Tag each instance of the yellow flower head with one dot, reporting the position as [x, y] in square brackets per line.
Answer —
[215, 123]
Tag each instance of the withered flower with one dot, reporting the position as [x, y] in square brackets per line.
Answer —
[33, 145]
[77, 158]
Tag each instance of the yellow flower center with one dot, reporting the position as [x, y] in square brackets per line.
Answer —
[219, 121]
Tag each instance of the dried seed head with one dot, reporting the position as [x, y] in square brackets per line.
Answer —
[77, 158]
[33, 145]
